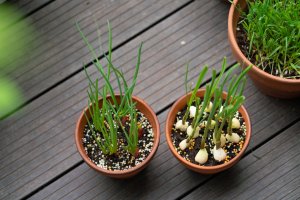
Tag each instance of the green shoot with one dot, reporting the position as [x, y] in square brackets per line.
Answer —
[107, 119]
[273, 35]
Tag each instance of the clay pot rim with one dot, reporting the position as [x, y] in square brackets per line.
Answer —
[217, 168]
[232, 40]
[116, 173]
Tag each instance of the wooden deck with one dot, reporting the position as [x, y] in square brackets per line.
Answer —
[39, 159]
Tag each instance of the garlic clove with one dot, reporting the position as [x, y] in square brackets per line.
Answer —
[212, 124]
[223, 140]
[190, 129]
[181, 126]
[183, 144]
[234, 138]
[202, 156]
[209, 107]
[219, 154]
[192, 111]
[235, 123]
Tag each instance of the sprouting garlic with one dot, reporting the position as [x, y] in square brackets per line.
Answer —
[181, 126]
[219, 154]
[209, 107]
[234, 138]
[190, 129]
[183, 144]
[222, 140]
[192, 111]
[235, 123]
[212, 124]
[221, 109]
[202, 156]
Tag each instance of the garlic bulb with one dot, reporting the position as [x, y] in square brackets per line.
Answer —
[235, 123]
[222, 140]
[209, 107]
[219, 154]
[201, 156]
[212, 124]
[192, 111]
[183, 144]
[190, 129]
[234, 138]
[181, 126]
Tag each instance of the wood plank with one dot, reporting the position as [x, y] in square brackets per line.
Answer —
[57, 49]
[46, 137]
[160, 180]
[28, 6]
[262, 173]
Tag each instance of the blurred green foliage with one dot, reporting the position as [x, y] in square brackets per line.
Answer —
[15, 35]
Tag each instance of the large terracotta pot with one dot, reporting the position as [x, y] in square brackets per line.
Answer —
[179, 105]
[267, 83]
[151, 116]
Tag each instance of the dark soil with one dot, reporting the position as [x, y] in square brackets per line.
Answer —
[189, 153]
[122, 160]
[241, 37]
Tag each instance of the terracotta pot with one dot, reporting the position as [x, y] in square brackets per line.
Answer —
[179, 105]
[267, 83]
[151, 116]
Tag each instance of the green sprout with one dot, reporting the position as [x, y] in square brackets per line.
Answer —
[273, 34]
[108, 119]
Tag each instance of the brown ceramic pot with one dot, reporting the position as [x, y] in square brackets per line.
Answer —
[179, 105]
[151, 116]
[267, 83]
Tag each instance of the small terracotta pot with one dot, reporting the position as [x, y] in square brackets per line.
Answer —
[267, 83]
[151, 116]
[178, 106]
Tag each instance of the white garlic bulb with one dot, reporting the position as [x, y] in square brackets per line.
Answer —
[183, 144]
[222, 140]
[192, 111]
[181, 126]
[201, 156]
[235, 123]
[209, 107]
[190, 129]
[219, 154]
[234, 138]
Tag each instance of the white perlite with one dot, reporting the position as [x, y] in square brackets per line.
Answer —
[190, 129]
[192, 111]
[183, 144]
[181, 126]
[201, 156]
[235, 123]
[219, 154]
[234, 138]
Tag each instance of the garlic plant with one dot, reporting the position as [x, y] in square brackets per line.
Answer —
[106, 119]
[212, 113]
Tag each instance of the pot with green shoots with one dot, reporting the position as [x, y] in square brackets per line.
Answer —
[208, 129]
[117, 134]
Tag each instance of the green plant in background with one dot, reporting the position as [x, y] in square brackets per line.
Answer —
[273, 33]
[13, 47]
[107, 118]
[212, 112]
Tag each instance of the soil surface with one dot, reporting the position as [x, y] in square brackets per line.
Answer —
[122, 160]
[189, 154]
